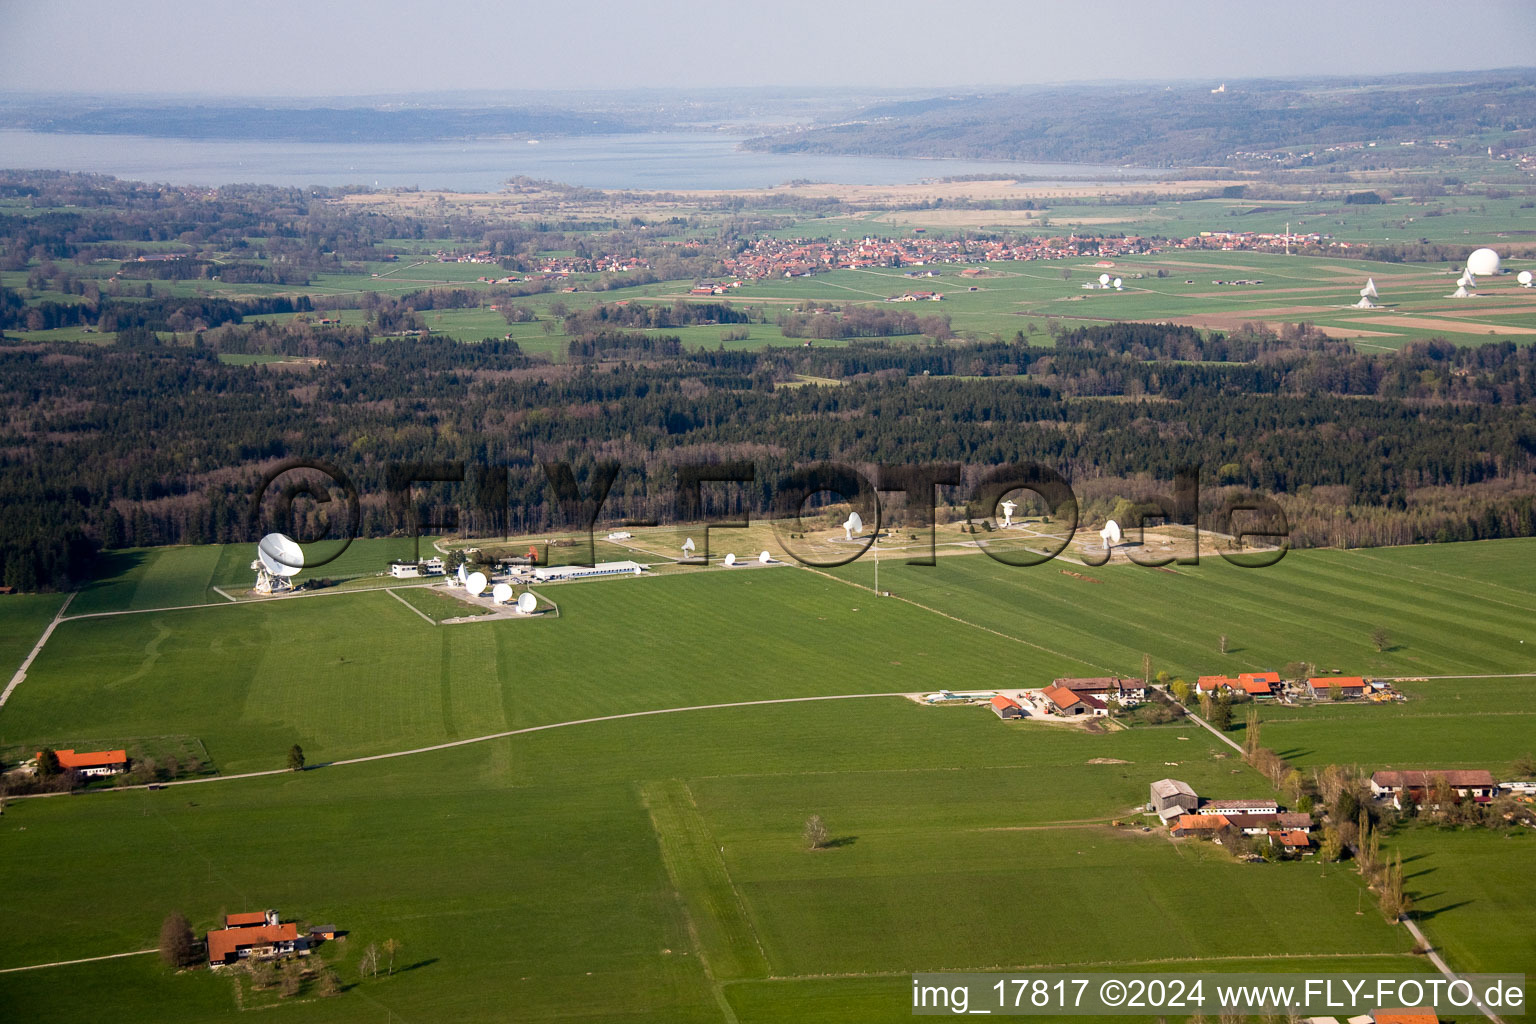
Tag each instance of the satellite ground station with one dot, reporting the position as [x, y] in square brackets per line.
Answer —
[278, 560]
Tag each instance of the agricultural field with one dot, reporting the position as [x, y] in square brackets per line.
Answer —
[651, 868]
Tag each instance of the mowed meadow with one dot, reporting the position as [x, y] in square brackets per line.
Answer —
[652, 868]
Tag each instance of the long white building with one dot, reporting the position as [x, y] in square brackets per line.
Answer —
[558, 573]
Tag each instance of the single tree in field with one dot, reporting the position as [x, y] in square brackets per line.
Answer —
[48, 763]
[1251, 733]
[1221, 643]
[328, 985]
[1146, 669]
[291, 981]
[368, 966]
[1066, 274]
[1221, 712]
[1180, 690]
[815, 832]
[391, 947]
[295, 758]
[176, 941]
[1380, 639]
[1525, 765]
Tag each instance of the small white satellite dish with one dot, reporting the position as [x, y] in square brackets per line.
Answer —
[1104, 280]
[1110, 535]
[463, 579]
[764, 558]
[1118, 284]
[1525, 278]
[688, 546]
[476, 584]
[730, 559]
[1008, 508]
[501, 593]
[852, 525]
[280, 555]
[526, 603]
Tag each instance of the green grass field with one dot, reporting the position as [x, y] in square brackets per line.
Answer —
[651, 868]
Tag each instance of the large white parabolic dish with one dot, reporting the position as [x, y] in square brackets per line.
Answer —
[280, 555]
[476, 584]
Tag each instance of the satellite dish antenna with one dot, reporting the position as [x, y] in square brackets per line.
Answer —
[688, 546]
[730, 559]
[1110, 535]
[1008, 507]
[1118, 284]
[526, 603]
[501, 593]
[1369, 291]
[280, 555]
[764, 558]
[1525, 278]
[1104, 280]
[476, 584]
[463, 579]
[852, 525]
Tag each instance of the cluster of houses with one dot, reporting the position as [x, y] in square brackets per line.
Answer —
[1073, 697]
[261, 935]
[1260, 685]
[773, 257]
[1185, 814]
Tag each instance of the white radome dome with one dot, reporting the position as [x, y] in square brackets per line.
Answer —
[1483, 263]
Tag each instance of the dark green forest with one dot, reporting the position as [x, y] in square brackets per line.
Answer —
[153, 441]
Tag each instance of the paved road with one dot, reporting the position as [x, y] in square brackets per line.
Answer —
[21, 673]
[473, 739]
[84, 960]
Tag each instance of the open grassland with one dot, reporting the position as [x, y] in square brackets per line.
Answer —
[615, 870]
[23, 617]
[1452, 723]
[1456, 609]
[652, 868]
[359, 674]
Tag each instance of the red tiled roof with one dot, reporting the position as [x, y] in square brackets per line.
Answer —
[1417, 1015]
[1215, 682]
[244, 920]
[1000, 702]
[1343, 682]
[1201, 822]
[1295, 840]
[226, 941]
[90, 758]
[1061, 696]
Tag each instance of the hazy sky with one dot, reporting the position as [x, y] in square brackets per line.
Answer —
[324, 47]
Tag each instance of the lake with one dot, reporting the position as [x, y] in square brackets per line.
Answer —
[677, 160]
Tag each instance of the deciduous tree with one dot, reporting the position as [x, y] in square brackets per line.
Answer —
[815, 832]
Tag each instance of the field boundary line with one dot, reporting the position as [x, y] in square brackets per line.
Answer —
[37, 648]
[963, 622]
[425, 617]
[82, 960]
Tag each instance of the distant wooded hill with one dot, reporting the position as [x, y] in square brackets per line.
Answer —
[1179, 125]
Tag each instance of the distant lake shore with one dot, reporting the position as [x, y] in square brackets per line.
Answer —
[650, 161]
